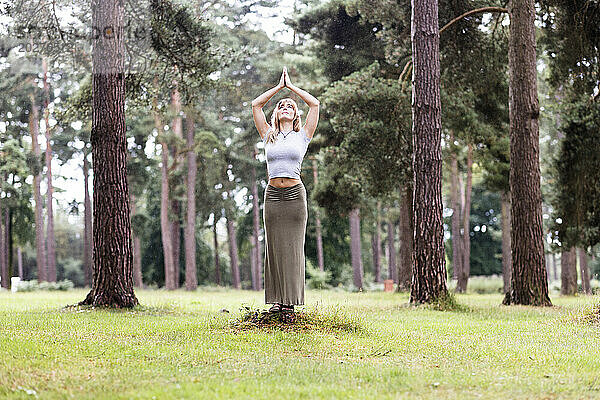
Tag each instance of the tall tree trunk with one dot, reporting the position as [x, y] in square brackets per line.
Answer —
[456, 205]
[406, 240]
[529, 285]
[506, 257]
[320, 259]
[40, 243]
[175, 203]
[9, 241]
[391, 243]
[50, 240]
[256, 223]
[355, 248]
[165, 224]
[465, 270]
[253, 262]
[137, 252]
[191, 279]
[554, 267]
[216, 246]
[568, 272]
[233, 253]
[585, 272]
[376, 245]
[88, 261]
[20, 263]
[429, 270]
[113, 253]
[4, 276]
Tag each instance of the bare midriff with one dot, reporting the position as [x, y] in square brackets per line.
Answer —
[282, 182]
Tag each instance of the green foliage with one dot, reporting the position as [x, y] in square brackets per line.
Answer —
[34, 285]
[492, 284]
[316, 279]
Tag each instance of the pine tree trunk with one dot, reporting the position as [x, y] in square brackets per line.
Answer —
[191, 279]
[50, 240]
[391, 243]
[88, 261]
[137, 252]
[320, 259]
[113, 254]
[568, 272]
[4, 276]
[165, 224]
[176, 241]
[233, 254]
[429, 270]
[175, 203]
[253, 262]
[529, 285]
[216, 247]
[456, 205]
[40, 244]
[406, 241]
[376, 245]
[256, 223]
[585, 272]
[355, 248]
[465, 270]
[506, 257]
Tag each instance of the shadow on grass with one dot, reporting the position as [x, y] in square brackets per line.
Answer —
[163, 309]
[446, 303]
[588, 316]
[314, 319]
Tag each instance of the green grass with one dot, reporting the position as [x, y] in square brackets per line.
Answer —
[349, 345]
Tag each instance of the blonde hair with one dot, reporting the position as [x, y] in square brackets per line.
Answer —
[275, 124]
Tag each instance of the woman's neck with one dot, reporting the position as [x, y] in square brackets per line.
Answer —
[286, 126]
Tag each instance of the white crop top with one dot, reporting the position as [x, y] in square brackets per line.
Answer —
[284, 157]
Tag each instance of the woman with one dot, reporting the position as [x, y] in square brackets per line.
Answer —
[285, 212]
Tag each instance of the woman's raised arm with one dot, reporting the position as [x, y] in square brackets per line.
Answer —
[257, 104]
[312, 119]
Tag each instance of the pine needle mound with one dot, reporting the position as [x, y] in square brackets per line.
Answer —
[313, 319]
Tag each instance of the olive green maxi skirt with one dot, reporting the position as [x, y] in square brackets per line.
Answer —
[285, 215]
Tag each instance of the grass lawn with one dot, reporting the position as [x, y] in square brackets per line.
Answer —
[181, 345]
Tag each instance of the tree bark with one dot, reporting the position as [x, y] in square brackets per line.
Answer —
[254, 278]
[4, 275]
[465, 271]
[216, 246]
[376, 245]
[554, 268]
[40, 244]
[406, 241]
[320, 259]
[88, 261]
[256, 223]
[20, 262]
[568, 272]
[529, 285]
[233, 254]
[391, 243]
[176, 241]
[113, 254]
[456, 205]
[506, 257]
[355, 248]
[585, 272]
[50, 240]
[137, 252]
[175, 203]
[191, 279]
[429, 270]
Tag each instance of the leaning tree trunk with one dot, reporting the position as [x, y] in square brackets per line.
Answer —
[506, 257]
[355, 248]
[216, 246]
[456, 205]
[465, 270]
[191, 279]
[40, 245]
[376, 245]
[113, 254]
[429, 270]
[137, 252]
[233, 254]
[320, 259]
[529, 285]
[391, 243]
[568, 272]
[165, 224]
[50, 240]
[256, 223]
[88, 261]
[406, 241]
[585, 272]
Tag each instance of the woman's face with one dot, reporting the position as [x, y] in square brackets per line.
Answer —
[286, 111]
